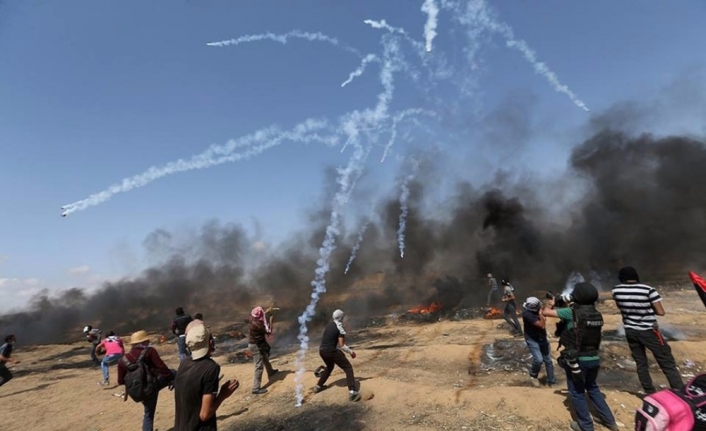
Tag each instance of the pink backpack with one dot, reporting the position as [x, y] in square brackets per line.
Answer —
[674, 409]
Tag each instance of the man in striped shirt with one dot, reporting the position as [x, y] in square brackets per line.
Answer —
[640, 305]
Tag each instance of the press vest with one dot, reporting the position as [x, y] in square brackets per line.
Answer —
[585, 335]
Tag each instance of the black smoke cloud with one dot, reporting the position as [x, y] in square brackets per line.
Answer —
[633, 199]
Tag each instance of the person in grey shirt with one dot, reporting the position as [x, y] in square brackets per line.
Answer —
[493, 284]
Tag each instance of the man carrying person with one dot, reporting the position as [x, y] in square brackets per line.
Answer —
[580, 359]
[333, 344]
[5, 353]
[640, 305]
[260, 348]
[114, 351]
[493, 284]
[196, 394]
[535, 325]
[510, 311]
[141, 350]
[93, 336]
[179, 324]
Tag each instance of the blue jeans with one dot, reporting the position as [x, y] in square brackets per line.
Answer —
[107, 361]
[578, 391]
[150, 405]
[181, 345]
[540, 351]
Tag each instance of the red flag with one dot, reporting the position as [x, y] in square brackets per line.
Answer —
[699, 285]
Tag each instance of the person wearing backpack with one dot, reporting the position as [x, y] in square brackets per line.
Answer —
[580, 359]
[640, 304]
[179, 324]
[144, 374]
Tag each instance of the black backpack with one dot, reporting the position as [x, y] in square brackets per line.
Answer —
[140, 383]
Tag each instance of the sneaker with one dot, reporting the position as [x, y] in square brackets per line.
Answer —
[104, 383]
[354, 396]
[535, 382]
[575, 426]
[259, 391]
[318, 389]
[319, 371]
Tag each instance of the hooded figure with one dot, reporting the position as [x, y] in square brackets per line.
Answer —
[332, 348]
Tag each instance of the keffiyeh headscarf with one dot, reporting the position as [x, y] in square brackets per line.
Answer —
[258, 313]
[532, 303]
[338, 316]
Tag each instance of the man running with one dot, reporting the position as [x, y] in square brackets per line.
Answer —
[5, 353]
[333, 344]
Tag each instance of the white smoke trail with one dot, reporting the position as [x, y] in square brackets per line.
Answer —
[383, 25]
[369, 122]
[361, 69]
[478, 16]
[404, 210]
[432, 10]
[284, 38]
[356, 247]
[395, 120]
[257, 143]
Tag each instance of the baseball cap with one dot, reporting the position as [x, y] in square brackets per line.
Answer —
[197, 340]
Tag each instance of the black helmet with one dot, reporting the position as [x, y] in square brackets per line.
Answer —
[585, 294]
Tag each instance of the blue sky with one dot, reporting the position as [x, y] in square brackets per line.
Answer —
[93, 92]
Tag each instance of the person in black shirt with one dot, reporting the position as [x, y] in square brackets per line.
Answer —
[535, 325]
[196, 394]
[5, 352]
[179, 324]
[333, 344]
[260, 328]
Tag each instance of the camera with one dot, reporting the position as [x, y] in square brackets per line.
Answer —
[560, 301]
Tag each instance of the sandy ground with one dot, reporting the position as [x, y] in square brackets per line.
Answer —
[413, 376]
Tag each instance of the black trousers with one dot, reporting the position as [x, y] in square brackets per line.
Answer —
[336, 357]
[5, 375]
[652, 340]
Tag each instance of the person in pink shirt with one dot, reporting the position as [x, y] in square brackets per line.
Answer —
[114, 350]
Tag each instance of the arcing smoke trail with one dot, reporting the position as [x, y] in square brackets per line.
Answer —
[404, 210]
[356, 247]
[284, 38]
[361, 69]
[395, 120]
[430, 8]
[383, 25]
[370, 122]
[257, 143]
[478, 16]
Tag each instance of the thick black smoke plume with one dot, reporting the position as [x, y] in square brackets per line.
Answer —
[636, 200]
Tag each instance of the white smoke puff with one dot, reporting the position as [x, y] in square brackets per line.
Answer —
[430, 8]
[574, 278]
[404, 210]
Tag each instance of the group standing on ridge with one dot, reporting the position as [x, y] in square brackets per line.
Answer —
[198, 392]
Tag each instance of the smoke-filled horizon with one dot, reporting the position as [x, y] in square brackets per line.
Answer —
[639, 202]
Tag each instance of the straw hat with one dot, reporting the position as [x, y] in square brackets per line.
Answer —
[139, 337]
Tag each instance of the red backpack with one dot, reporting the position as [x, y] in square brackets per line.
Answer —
[674, 409]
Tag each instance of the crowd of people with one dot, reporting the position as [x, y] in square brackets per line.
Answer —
[198, 393]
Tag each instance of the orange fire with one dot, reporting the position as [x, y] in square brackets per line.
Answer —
[420, 309]
[493, 313]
